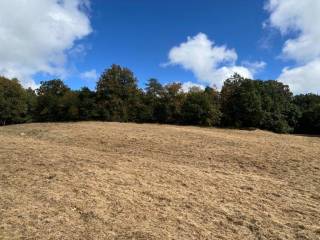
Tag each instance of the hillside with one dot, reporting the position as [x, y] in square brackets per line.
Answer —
[129, 181]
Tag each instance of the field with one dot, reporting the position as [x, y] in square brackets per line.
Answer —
[130, 181]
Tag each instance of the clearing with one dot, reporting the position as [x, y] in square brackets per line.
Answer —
[94, 180]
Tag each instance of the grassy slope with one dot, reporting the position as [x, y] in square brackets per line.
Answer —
[124, 181]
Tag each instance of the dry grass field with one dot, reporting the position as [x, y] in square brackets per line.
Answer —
[129, 181]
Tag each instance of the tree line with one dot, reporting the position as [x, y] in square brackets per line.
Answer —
[241, 103]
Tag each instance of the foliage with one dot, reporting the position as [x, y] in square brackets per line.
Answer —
[87, 104]
[259, 104]
[200, 108]
[117, 95]
[13, 102]
[309, 106]
[56, 102]
[31, 100]
[152, 100]
[280, 114]
[242, 103]
[168, 109]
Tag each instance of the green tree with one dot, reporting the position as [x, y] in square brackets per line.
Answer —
[261, 104]
[152, 99]
[56, 102]
[280, 114]
[87, 104]
[199, 108]
[69, 106]
[309, 106]
[31, 98]
[310, 121]
[13, 102]
[143, 110]
[241, 102]
[117, 94]
[168, 108]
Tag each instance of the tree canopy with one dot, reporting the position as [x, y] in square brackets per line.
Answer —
[241, 103]
[13, 102]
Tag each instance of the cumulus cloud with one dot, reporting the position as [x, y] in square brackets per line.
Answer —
[300, 19]
[303, 79]
[35, 36]
[210, 63]
[91, 75]
[187, 86]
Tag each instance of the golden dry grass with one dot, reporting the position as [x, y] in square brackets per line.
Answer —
[128, 181]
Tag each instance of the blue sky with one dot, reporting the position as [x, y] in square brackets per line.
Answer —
[194, 42]
[140, 34]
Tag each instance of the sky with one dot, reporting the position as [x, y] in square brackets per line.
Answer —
[195, 42]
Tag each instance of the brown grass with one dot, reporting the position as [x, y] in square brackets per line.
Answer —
[128, 181]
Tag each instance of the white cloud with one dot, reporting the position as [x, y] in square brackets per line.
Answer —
[211, 64]
[301, 20]
[35, 36]
[301, 17]
[303, 79]
[91, 75]
[255, 67]
[189, 85]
